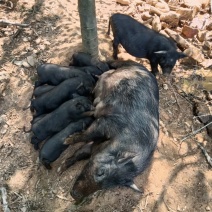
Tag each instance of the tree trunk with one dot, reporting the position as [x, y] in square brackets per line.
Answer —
[88, 24]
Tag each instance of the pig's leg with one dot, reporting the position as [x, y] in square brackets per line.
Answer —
[82, 153]
[35, 141]
[96, 132]
[154, 67]
[115, 47]
[37, 84]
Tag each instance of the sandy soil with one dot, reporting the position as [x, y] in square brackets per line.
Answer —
[179, 178]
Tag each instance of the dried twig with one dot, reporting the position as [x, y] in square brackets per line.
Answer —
[208, 157]
[13, 23]
[196, 131]
[61, 197]
[4, 199]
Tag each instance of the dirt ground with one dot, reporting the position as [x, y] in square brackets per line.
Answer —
[179, 178]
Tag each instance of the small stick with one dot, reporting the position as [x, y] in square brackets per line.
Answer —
[13, 23]
[208, 158]
[61, 197]
[196, 131]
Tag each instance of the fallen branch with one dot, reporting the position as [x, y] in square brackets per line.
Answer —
[195, 132]
[13, 23]
[4, 199]
[208, 158]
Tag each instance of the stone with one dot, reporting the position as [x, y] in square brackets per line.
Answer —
[201, 35]
[152, 2]
[197, 3]
[138, 2]
[189, 32]
[186, 13]
[146, 16]
[38, 40]
[209, 24]
[162, 6]
[199, 23]
[165, 86]
[25, 39]
[156, 25]
[25, 64]
[172, 18]
[31, 60]
[18, 62]
[4, 77]
[195, 53]
[207, 45]
[207, 208]
[4, 129]
[123, 2]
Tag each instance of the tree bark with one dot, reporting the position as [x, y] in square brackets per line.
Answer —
[88, 24]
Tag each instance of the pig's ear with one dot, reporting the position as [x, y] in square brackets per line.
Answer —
[160, 53]
[181, 55]
[124, 158]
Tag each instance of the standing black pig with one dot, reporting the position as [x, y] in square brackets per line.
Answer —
[61, 93]
[57, 120]
[140, 41]
[53, 74]
[127, 124]
[54, 146]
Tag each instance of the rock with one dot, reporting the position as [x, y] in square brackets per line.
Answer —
[4, 129]
[189, 32]
[42, 47]
[25, 64]
[208, 36]
[207, 63]
[4, 77]
[152, 2]
[183, 44]
[197, 3]
[200, 23]
[195, 53]
[162, 6]
[207, 45]
[4, 80]
[207, 208]
[141, 9]
[138, 2]
[165, 86]
[186, 13]
[37, 41]
[156, 25]
[201, 35]
[172, 18]
[18, 62]
[31, 60]
[2, 119]
[25, 39]
[154, 10]
[46, 42]
[145, 16]
[209, 24]
[123, 2]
